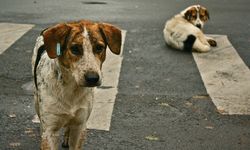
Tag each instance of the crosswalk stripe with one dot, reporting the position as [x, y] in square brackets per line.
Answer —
[105, 96]
[226, 77]
[10, 33]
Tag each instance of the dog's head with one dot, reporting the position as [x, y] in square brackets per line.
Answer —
[83, 48]
[196, 14]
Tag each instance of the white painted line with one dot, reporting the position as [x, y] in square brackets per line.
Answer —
[105, 96]
[10, 33]
[226, 77]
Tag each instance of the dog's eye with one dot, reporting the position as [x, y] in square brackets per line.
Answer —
[76, 49]
[99, 48]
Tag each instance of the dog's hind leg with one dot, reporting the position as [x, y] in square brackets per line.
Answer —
[173, 39]
[201, 44]
[200, 47]
[189, 42]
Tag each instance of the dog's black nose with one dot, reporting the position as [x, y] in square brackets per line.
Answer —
[198, 26]
[92, 79]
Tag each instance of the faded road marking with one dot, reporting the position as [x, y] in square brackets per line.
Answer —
[105, 96]
[10, 33]
[226, 77]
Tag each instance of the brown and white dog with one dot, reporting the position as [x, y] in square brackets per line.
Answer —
[66, 63]
[184, 30]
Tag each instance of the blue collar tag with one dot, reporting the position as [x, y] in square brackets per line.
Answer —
[58, 49]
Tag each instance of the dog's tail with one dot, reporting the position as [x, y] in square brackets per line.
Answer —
[189, 42]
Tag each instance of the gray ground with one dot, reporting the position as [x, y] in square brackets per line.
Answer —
[161, 103]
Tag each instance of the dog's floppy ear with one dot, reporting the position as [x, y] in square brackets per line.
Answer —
[112, 36]
[207, 14]
[204, 12]
[188, 15]
[53, 37]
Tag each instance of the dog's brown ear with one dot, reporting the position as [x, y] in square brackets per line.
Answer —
[113, 37]
[204, 14]
[53, 36]
[207, 14]
[188, 15]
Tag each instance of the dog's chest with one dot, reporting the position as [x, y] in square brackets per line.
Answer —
[69, 107]
[78, 108]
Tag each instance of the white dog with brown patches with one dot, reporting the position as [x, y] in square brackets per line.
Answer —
[66, 63]
[184, 30]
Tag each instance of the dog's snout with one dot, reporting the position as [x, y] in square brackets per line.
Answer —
[198, 26]
[92, 79]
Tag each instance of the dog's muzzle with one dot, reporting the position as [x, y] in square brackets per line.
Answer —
[198, 26]
[92, 79]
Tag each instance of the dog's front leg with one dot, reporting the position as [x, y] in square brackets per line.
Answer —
[50, 140]
[77, 136]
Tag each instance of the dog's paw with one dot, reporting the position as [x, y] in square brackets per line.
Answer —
[212, 42]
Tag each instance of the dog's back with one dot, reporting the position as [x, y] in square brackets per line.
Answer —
[179, 34]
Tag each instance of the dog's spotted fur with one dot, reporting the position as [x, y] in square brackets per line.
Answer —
[184, 30]
[64, 84]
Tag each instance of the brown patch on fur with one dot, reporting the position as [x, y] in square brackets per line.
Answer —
[45, 144]
[191, 14]
[70, 33]
[204, 15]
[98, 42]
[75, 38]
[113, 37]
[102, 55]
[54, 35]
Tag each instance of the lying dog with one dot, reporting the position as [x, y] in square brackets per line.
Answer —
[184, 30]
[66, 63]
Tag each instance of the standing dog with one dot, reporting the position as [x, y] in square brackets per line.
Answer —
[66, 63]
[184, 30]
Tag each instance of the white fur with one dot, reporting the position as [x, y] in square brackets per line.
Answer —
[85, 33]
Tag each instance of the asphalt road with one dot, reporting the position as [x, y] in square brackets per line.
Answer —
[161, 104]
